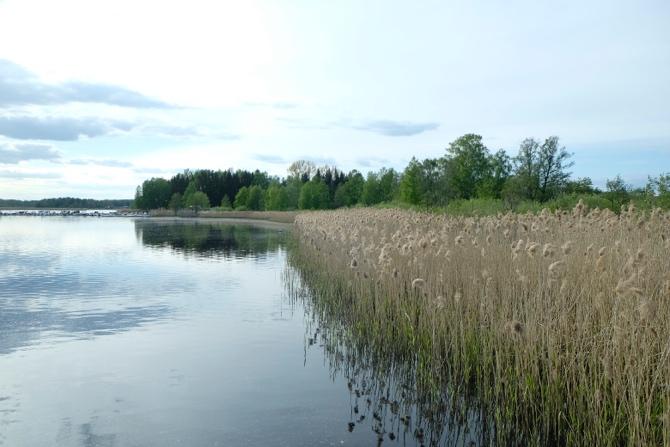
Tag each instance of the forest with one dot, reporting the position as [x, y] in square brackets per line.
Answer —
[468, 176]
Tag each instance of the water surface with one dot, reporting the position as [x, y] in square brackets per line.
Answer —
[121, 332]
[116, 332]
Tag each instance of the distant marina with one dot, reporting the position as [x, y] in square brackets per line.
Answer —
[73, 212]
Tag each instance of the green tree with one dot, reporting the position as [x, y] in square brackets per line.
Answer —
[410, 183]
[154, 193]
[176, 202]
[255, 198]
[138, 202]
[658, 190]
[582, 185]
[617, 192]
[225, 202]
[541, 169]
[527, 176]
[292, 193]
[469, 165]
[371, 190]
[314, 195]
[349, 193]
[198, 201]
[434, 185]
[388, 184]
[553, 163]
[242, 197]
[190, 190]
[276, 198]
[500, 168]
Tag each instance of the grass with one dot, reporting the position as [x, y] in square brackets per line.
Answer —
[491, 207]
[555, 325]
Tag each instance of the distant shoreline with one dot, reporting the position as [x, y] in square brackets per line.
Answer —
[283, 217]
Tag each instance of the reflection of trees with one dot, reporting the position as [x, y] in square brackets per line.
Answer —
[390, 393]
[210, 239]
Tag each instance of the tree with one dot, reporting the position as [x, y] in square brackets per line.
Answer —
[190, 190]
[552, 165]
[527, 176]
[176, 202]
[541, 169]
[514, 191]
[468, 161]
[292, 193]
[388, 184]
[154, 193]
[198, 201]
[582, 185]
[434, 185]
[138, 202]
[225, 203]
[314, 195]
[618, 192]
[276, 198]
[410, 183]
[658, 189]
[255, 198]
[350, 191]
[241, 197]
[302, 168]
[500, 169]
[371, 190]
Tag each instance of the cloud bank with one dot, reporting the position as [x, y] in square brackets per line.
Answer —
[395, 128]
[16, 153]
[19, 87]
[23, 127]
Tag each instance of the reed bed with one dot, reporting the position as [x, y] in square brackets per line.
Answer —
[556, 325]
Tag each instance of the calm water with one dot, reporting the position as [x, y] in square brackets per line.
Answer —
[116, 332]
[120, 332]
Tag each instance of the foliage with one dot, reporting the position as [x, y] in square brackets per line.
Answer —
[242, 197]
[617, 192]
[468, 165]
[255, 198]
[314, 195]
[197, 201]
[350, 192]
[276, 198]
[468, 170]
[225, 203]
[176, 202]
[410, 184]
[154, 193]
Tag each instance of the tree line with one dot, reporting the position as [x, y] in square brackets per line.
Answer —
[539, 173]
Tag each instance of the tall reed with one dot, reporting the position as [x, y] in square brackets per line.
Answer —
[557, 324]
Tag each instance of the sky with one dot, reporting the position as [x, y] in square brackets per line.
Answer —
[96, 96]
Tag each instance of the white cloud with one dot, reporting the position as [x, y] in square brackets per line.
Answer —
[13, 153]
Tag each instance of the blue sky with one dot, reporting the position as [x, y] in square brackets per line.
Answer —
[97, 96]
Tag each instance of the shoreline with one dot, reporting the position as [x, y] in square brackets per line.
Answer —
[275, 217]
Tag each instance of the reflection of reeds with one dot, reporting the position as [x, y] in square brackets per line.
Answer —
[385, 394]
[561, 346]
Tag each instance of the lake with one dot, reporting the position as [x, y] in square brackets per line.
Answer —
[152, 332]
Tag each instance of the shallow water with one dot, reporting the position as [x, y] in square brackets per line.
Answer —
[121, 332]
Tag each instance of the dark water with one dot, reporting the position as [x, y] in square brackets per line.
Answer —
[120, 332]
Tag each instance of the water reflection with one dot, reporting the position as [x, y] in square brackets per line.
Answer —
[206, 239]
[387, 398]
[122, 332]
